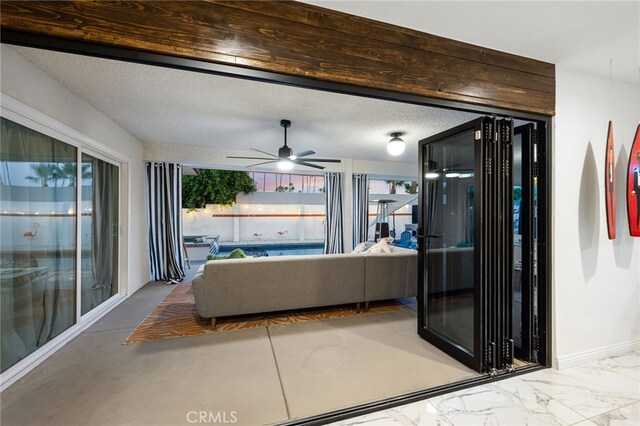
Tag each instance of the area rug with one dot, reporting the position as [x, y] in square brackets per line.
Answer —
[176, 316]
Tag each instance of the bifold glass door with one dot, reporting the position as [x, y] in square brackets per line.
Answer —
[525, 253]
[465, 243]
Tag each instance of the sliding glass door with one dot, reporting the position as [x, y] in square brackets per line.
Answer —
[41, 188]
[38, 244]
[99, 232]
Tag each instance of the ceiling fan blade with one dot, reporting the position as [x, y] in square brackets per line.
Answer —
[250, 158]
[264, 152]
[304, 153]
[302, 163]
[323, 160]
[260, 164]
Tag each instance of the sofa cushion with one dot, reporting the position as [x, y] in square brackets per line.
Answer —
[380, 247]
[362, 247]
[235, 254]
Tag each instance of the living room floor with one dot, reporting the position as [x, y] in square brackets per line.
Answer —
[265, 375]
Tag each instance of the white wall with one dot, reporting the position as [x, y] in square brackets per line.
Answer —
[218, 220]
[29, 85]
[596, 281]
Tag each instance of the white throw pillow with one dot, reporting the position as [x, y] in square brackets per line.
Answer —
[380, 247]
[361, 248]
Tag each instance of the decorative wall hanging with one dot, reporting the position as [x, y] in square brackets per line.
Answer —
[610, 184]
[633, 186]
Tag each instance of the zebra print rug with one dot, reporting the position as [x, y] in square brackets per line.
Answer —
[176, 316]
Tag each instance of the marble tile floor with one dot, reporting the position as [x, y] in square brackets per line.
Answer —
[602, 393]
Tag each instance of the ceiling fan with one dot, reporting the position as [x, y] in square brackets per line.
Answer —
[286, 158]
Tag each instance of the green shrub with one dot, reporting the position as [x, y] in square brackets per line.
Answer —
[215, 187]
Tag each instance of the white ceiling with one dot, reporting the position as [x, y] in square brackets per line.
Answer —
[582, 35]
[169, 106]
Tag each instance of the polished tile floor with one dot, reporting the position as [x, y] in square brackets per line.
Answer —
[602, 393]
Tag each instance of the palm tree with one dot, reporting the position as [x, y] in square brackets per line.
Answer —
[43, 173]
[393, 184]
[69, 172]
[411, 188]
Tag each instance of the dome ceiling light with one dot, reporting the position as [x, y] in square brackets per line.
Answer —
[396, 146]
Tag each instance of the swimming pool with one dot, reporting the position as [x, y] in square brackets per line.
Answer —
[276, 249]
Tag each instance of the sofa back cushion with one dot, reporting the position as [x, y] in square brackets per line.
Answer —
[265, 284]
[391, 275]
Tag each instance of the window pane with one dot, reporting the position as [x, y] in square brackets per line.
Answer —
[449, 200]
[38, 245]
[99, 224]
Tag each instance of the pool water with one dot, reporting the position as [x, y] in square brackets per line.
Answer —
[277, 249]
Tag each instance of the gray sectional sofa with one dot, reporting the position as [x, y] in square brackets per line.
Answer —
[267, 284]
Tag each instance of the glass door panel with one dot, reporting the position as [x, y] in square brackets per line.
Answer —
[524, 241]
[38, 197]
[449, 283]
[99, 224]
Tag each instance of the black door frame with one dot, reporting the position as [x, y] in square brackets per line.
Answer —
[544, 161]
[528, 330]
[472, 360]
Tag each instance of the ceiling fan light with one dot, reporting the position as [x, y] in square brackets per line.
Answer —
[396, 146]
[293, 157]
[285, 165]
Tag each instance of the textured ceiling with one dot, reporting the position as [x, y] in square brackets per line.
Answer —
[581, 35]
[170, 106]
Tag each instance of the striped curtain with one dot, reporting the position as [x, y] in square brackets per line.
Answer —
[164, 208]
[334, 235]
[360, 208]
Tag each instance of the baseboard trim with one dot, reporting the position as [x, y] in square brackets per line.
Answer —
[579, 358]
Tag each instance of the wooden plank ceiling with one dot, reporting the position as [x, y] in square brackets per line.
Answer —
[301, 40]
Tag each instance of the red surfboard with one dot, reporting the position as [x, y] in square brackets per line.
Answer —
[610, 184]
[633, 186]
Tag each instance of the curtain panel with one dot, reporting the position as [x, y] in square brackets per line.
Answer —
[104, 231]
[164, 208]
[38, 250]
[334, 232]
[360, 208]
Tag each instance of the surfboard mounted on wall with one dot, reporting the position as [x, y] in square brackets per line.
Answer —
[633, 186]
[610, 184]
